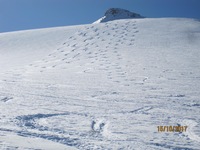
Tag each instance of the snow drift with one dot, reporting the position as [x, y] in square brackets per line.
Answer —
[101, 86]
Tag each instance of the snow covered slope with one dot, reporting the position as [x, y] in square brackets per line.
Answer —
[116, 14]
[101, 86]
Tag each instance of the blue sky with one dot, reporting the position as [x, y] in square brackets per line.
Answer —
[31, 14]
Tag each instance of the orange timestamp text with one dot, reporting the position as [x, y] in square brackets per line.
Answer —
[172, 128]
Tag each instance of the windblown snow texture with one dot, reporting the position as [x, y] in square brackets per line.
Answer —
[101, 86]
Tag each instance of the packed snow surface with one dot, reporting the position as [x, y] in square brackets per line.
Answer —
[101, 86]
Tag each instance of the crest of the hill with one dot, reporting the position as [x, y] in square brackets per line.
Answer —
[117, 13]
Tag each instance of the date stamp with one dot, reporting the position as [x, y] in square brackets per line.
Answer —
[172, 128]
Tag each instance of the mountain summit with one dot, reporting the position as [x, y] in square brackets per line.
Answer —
[117, 13]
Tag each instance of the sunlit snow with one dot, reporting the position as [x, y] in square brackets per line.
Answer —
[101, 86]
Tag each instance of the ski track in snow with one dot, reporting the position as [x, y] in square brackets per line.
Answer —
[101, 89]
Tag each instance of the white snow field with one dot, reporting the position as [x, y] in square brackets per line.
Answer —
[103, 86]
